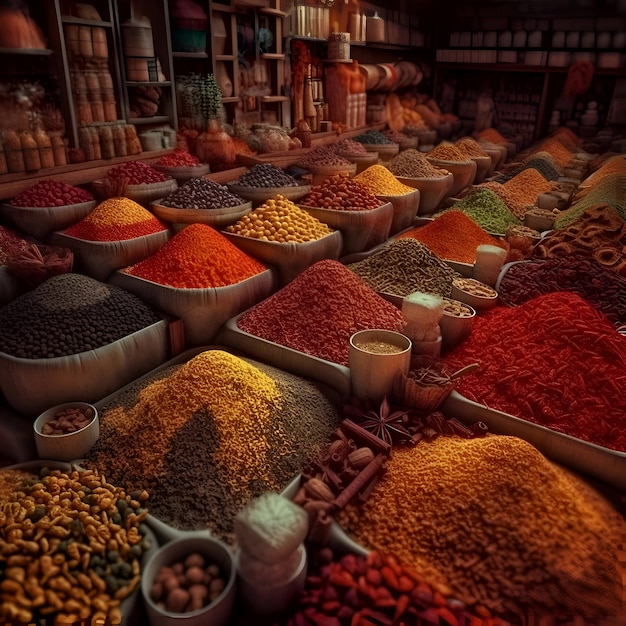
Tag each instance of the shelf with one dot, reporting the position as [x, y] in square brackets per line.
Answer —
[42, 52]
[386, 46]
[68, 19]
[72, 174]
[274, 98]
[231, 100]
[273, 55]
[149, 83]
[307, 38]
[155, 119]
[189, 55]
[225, 57]
[275, 12]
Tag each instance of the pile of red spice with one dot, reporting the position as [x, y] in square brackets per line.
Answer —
[198, 257]
[319, 311]
[555, 361]
[454, 236]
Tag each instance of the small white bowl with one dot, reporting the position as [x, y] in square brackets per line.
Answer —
[463, 292]
[71, 446]
[216, 613]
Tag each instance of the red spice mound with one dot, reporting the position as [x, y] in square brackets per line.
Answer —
[197, 257]
[319, 311]
[454, 236]
[555, 361]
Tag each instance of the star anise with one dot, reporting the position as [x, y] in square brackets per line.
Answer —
[383, 423]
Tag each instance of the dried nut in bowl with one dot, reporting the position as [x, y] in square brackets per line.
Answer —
[190, 580]
[66, 432]
[471, 291]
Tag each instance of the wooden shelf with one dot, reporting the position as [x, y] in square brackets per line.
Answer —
[273, 55]
[148, 83]
[72, 174]
[225, 57]
[42, 52]
[275, 12]
[231, 100]
[189, 55]
[155, 119]
[68, 19]
[274, 98]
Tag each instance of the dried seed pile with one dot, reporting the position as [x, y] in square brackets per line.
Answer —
[487, 210]
[557, 362]
[116, 219]
[70, 543]
[405, 266]
[207, 436]
[266, 175]
[11, 245]
[413, 164]
[319, 311]
[202, 193]
[69, 314]
[378, 180]
[528, 535]
[447, 152]
[604, 288]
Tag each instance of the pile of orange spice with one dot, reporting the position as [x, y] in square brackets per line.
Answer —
[560, 153]
[526, 186]
[491, 134]
[447, 152]
[116, 219]
[454, 236]
[197, 257]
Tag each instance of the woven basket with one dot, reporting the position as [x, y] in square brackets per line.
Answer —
[141, 194]
[261, 194]
[420, 394]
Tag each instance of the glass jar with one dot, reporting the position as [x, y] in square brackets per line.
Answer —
[31, 151]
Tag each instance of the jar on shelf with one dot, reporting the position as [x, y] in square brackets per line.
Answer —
[133, 143]
[58, 148]
[72, 40]
[85, 143]
[110, 107]
[95, 143]
[13, 152]
[85, 41]
[97, 108]
[83, 109]
[3, 161]
[31, 151]
[119, 140]
[107, 146]
[46, 154]
[99, 42]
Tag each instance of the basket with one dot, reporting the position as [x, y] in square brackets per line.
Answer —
[213, 217]
[141, 194]
[261, 194]
[427, 384]
[183, 174]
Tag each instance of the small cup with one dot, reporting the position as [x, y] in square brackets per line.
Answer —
[372, 373]
[219, 611]
[71, 446]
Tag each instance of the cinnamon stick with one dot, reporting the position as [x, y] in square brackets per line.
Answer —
[371, 441]
[368, 472]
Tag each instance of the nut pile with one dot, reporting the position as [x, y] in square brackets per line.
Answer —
[70, 542]
[68, 420]
[265, 175]
[202, 193]
[49, 193]
[69, 314]
[280, 220]
[456, 308]
[475, 287]
[187, 585]
[341, 193]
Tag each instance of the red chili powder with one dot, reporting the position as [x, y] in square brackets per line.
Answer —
[555, 361]
[197, 257]
[319, 311]
[454, 236]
